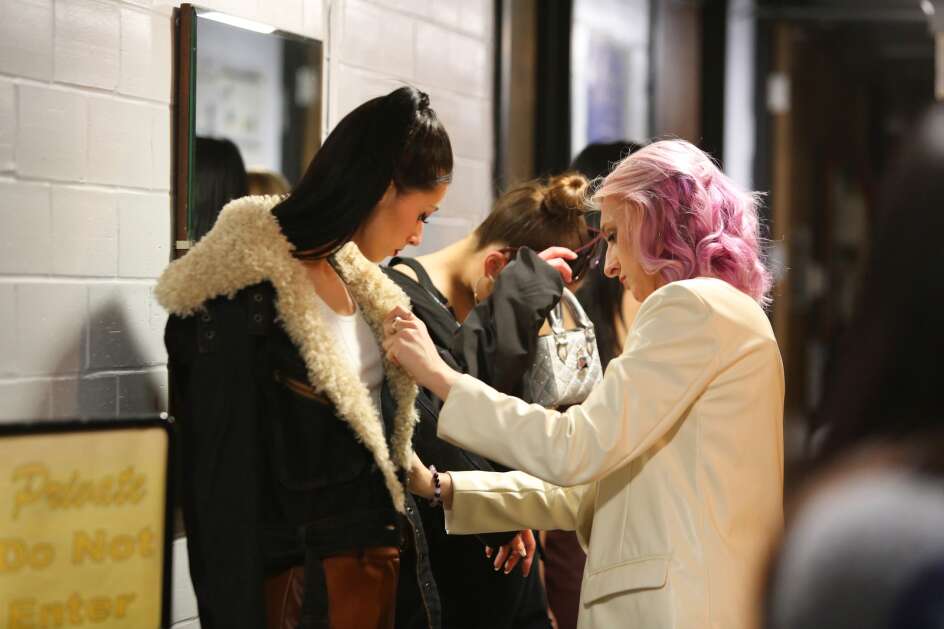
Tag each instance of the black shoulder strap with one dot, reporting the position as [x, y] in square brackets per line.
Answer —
[422, 277]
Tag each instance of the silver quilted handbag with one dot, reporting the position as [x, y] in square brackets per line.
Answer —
[567, 364]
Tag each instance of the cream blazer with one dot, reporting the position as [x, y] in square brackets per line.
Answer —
[671, 472]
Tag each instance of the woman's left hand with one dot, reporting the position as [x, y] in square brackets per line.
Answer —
[421, 479]
[407, 343]
[520, 548]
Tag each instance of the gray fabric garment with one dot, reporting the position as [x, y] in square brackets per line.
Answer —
[856, 549]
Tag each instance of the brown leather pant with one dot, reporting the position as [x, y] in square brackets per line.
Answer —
[361, 585]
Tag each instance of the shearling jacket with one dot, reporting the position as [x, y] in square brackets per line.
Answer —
[671, 471]
[285, 457]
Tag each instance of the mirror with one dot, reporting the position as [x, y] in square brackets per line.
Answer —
[249, 115]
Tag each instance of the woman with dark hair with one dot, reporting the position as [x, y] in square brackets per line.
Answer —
[484, 299]
[895, 340]
[864, 545]
[610, 307]
[219, 177]
[296, 430]
[671, 471]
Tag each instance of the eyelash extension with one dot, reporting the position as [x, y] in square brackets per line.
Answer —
[424, 218]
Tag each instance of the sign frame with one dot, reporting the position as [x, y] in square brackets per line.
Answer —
[135, 422]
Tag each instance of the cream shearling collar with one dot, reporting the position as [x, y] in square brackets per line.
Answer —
[245, 247]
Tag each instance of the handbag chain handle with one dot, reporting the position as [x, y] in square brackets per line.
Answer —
[556, 320]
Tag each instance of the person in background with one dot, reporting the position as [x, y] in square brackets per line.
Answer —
[864, 544]
[611, 308]
[219, 177]
[671, 471]
[484, 299]
[894, 327]
[296, 432]
[264, 181]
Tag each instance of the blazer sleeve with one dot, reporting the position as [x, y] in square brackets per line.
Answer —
[215, 402]
[491, 501]
[446, 456]
[496, 343]
[670, 357]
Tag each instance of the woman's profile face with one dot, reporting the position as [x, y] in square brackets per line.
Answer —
[621, 258]
[397, 221]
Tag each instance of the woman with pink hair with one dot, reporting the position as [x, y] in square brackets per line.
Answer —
[671, 472]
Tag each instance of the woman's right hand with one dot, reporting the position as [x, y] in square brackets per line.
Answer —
[521, 548]
[556, 256]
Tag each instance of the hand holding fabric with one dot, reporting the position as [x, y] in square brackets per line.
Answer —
[556, 257]
[407, 344]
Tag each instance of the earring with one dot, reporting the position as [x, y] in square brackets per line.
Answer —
[475, 288]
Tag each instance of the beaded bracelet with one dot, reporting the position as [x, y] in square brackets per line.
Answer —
[437, 490]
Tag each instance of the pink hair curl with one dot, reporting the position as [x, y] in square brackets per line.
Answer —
[693, 220]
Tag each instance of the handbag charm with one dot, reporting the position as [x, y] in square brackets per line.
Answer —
[566, 363]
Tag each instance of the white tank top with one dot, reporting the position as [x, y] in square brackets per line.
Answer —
[358, 345]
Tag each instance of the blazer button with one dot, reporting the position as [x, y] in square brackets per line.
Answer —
[257, 297]
[427, 585]
[409, 509]
[257, 318]
[210, 334]
[205, 317]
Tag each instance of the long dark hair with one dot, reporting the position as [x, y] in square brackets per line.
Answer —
[219, 177]
[601, 296]
[395, 139]
[889, 379]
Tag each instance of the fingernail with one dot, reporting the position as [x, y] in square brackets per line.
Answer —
[522, 552]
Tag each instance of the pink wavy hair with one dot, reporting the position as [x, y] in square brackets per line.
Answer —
[694, 221]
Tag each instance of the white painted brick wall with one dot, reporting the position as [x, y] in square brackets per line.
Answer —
[378, 39]
[8, 362]
[449, 57]
[26, 41]
[7, 124]
[84, 234]
[26, 237]
[51, 133]
[144, 234]
[87, 43]
[85, 176]
[469, 196]
[460, 63]
[146, 45]
[119, 142]
[24, 398]
[51, 328]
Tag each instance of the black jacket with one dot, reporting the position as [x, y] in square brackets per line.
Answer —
[496, 344]
[285, 459]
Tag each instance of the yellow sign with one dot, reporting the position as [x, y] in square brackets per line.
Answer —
[82, 528]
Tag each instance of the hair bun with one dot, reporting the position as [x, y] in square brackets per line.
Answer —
[565, 194]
